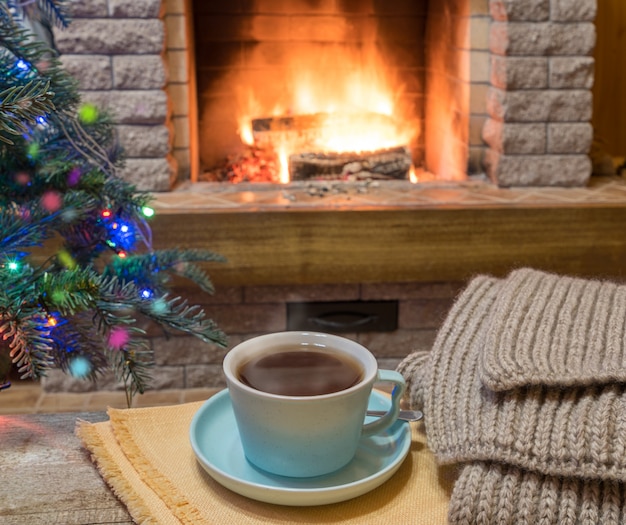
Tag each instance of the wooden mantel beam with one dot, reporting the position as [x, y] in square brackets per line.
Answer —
[400, 244]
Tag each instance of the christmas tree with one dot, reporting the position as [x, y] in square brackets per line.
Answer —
[77, 271]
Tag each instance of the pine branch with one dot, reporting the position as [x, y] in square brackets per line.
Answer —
[132, 366]
[150, 269]
[116, 295]
[55, 11]
[38, 61]
[79, 289]
[176, 313]
[18, 234]
[74, 340]
[21, 105]
[28, 342]
[179, 263]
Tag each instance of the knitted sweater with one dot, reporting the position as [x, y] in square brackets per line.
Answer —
[525, 387]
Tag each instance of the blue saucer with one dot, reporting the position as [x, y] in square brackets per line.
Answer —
[217, 446]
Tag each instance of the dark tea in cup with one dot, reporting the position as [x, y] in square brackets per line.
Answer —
[291, 372]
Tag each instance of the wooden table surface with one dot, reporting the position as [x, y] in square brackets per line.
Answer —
[46, 477]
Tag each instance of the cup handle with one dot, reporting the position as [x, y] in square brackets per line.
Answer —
[387, 376]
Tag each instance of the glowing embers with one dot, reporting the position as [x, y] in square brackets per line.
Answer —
[251, 165]
[321, 146]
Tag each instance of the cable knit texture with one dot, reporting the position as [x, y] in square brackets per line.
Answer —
[499, 494]
[551, 330]
[525, 386]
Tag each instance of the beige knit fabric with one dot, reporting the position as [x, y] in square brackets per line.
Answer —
[525, 385]
[493, 493]
[552, 330]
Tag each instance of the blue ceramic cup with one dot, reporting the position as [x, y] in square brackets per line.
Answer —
[308, 435]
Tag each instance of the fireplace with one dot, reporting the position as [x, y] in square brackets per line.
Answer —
[374, 69]
[495, 87]
[501, 94]
[309, 89]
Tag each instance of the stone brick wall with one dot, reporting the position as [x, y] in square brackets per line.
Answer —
[243, 312]
[116, 50]
[539, 102]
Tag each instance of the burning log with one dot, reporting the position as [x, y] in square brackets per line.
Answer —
[393, 163]
[306, 132]
[287, 123]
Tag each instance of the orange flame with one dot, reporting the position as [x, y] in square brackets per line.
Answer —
[245, 131]
[354, 107]
[283, 158]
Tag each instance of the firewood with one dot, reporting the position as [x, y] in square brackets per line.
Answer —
[306, 132]
[393, 163]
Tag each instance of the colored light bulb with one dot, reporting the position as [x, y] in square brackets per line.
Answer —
[80, 366]
[22, 65]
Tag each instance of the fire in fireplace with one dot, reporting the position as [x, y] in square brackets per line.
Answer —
[310, 90]
[332, 145]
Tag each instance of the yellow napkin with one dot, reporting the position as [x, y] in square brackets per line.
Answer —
[145, 456]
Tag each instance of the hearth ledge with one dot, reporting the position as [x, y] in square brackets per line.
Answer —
[397, 233]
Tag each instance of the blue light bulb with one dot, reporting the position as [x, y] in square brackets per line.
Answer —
[22, 65]
[121, 234]
[80, 366]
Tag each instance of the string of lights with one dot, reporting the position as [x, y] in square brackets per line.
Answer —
[77, 266]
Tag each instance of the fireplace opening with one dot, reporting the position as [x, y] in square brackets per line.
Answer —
[325, 89]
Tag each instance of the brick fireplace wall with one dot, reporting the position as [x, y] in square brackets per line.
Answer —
[516, 74]
[539, 100]
[130, 57]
